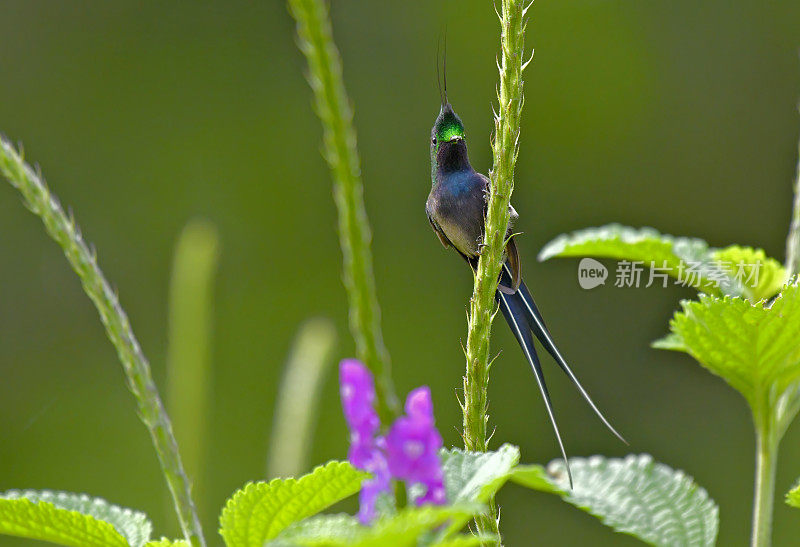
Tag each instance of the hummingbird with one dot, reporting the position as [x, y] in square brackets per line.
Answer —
[456, 209]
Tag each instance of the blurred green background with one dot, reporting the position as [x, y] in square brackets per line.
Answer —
[680, 115]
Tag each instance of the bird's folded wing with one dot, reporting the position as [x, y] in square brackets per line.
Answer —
[512, 257]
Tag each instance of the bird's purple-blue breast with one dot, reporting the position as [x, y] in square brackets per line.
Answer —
[460, 183]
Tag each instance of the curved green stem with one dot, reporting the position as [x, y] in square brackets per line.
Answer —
[65, 232]
[482, 305]
[333, 108]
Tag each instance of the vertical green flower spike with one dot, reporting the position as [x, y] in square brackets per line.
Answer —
[504, 148]
[333, 107]
[505, 143]
[83, 261]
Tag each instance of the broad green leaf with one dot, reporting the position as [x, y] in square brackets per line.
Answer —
[71, 519]
[671, 341]
[618, 241]
[466, 540]
[475, 476]
[260, 511]
[470, 479]
[751, 346]
[535, 477]
[165, 542]
[733, 271]
[409, 527]
[645, 245]
[319, 530]
[793, 495]
[635, 496]
[759, 275]
[411, 523]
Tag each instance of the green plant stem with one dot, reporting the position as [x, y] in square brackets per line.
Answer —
[764, 497]
[505, 143]
[333, 108]
[65, 232]
[793, 239]
[298, 395]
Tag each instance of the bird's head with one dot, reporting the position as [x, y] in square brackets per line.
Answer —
[448, 140]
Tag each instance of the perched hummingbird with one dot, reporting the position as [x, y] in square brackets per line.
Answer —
[456, 209]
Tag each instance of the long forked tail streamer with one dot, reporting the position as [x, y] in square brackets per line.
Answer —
[537, 325]
[514, 311]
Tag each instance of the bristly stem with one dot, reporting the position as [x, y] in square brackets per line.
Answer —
[333, 108]
[793, 239]
[505, 145]
[65, 232]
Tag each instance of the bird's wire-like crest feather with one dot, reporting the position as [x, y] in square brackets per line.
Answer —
[444, 66]
[438, 74]
[441, 77]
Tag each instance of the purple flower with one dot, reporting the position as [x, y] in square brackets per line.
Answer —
[409, 452]
[358, 396]
[412, 447]
[381, 482]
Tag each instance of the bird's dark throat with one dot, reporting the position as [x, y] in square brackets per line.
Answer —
[453, 156]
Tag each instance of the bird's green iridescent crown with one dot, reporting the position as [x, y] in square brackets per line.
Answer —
[448, 125]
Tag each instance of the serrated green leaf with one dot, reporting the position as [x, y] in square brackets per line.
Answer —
[752, 347]
[637, 496]
[466, 540]
[760, 276]
[407, 528]
[475, 476]
[260, 511]
[618, 241]
[71, 519]
[411, 523]
[733, 271]
[321, 530]
[670, 342]
[535, 477]
[634, 244]
[793, 495]
[470, 479]
[166, 542]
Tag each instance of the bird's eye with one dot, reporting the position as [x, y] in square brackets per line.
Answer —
[433, 140]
